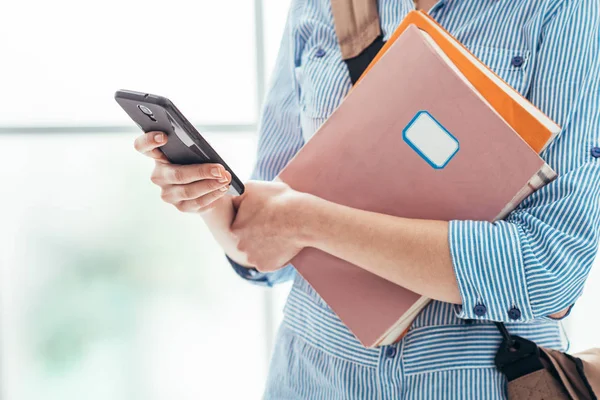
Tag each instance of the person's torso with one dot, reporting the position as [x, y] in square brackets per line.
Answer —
[505, 35]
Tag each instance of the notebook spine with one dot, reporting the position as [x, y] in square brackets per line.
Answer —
[544, 176]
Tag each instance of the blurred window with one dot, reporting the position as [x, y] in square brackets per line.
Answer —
[106, 292]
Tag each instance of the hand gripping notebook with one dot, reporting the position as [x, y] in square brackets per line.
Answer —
[412, 139]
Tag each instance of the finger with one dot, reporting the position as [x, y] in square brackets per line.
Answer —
[157, 155]
[184, 174]
[200, 204]
[174, 194]
[149, 141]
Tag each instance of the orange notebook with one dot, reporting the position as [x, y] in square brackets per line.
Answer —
[413, 139]
[530, 123]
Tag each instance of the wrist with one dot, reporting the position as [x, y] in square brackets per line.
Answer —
[310, 219]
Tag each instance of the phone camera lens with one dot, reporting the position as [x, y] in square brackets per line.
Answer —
[145, 110]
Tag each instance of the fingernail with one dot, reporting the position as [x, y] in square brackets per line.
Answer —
[224, 188]
[216, 172]
[226, 178]
[159, 137]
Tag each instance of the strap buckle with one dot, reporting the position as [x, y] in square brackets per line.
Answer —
[516, 356]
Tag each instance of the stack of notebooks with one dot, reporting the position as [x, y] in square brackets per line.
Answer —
[428, 132]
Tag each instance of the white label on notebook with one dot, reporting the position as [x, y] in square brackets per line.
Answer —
[430, 140]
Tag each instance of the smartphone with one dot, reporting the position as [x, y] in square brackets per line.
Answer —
[185, 145]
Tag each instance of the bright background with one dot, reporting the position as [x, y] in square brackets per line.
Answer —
[105, 292]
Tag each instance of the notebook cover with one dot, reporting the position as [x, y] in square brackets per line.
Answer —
[360, 158]
[526, 125]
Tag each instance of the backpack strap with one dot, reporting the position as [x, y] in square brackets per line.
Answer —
[359, 34]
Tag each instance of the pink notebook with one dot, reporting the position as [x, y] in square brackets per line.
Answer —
[445, 154]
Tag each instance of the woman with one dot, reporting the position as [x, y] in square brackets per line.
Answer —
[526, 271]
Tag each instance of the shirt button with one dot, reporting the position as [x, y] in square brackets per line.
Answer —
[390, 352]
[480, 310]
[252, 273]
[517, 61]
[514, 313]
[320, 53]
[595, 152]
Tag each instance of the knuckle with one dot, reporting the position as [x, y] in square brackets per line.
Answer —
[141, 143]
[180, 206]
[165, 195]
[205, 170]
[176, 174]
[185, 192]
[213, 185]
[203, 201]
[157, 173]
[202, 171]
[217, 194]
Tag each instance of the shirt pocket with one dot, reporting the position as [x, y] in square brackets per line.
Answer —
[512, 65]
[323, 81]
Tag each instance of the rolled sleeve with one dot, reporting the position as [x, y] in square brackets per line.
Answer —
[535, 262]
[489, 269]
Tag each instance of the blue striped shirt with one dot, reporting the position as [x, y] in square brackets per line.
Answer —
[519, 270]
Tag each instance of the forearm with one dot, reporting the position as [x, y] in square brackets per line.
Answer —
[411, 253]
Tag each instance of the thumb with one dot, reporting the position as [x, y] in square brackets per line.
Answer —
[237, 201]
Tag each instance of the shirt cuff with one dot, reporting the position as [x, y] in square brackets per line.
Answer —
[490, 271]
[250, 274]
[269, 279]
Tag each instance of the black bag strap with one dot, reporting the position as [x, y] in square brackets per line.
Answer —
[358, 30]
[357, 65]
[516, 356]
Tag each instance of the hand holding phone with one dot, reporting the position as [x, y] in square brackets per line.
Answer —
[184, 144]
[192, 176]
[190, 188]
